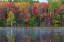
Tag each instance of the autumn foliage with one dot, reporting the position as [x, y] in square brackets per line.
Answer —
[36, 14]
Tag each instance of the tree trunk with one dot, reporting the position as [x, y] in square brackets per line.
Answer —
[11, 23]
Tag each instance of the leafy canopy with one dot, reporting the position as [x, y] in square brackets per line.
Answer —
[53, 5]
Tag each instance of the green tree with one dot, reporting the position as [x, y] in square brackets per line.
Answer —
[62, 1]
[1, 23]
[32, 21]
[30, 1]
[52, 8]
[53, 5]
[26, 0]
[56, 20]
[16, 0]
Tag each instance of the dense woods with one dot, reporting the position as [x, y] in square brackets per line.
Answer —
[31, 13]
[31, 21]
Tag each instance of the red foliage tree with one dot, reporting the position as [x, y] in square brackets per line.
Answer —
[2, 5]
[26, 16]
[34, 8]
[60, 9]
[1, 15]
[35, 11]
[8, 5]
[43, 5]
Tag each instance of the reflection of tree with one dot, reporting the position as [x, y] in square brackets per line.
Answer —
[57, 37]
[32, 36]
[18, 37]
[27, 38]
[3, 37]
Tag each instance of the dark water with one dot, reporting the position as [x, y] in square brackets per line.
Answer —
[32, 35]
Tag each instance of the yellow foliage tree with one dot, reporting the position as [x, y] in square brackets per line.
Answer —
[11, 19]
[22, 5]
[36, 4]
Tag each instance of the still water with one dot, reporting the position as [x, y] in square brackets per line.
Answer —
[32, 35]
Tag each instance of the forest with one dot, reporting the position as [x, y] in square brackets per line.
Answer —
[31, 21]
[29, 13]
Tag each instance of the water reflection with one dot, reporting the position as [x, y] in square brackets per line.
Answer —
[32, 35]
